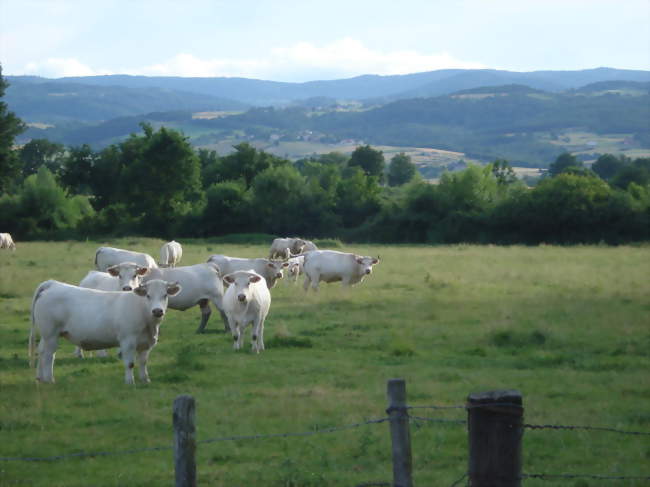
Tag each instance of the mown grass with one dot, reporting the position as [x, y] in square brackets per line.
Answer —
[568, 327]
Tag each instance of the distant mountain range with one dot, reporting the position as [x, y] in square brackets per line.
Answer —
[484, 113]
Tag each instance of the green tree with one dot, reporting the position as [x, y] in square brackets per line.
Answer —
[564, 162]
[163, 182]
[401, 170]
[607, 165]
[357, 198]
[503, 172]
[41, 152]
[228, 209]
[10, 127]
[77, 169]
[371, 161]
[246, 163]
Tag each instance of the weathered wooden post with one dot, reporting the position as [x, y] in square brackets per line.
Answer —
[400, 433]
[494, 421]
[184, 441]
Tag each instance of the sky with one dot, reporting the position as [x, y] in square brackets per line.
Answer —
[305, 40]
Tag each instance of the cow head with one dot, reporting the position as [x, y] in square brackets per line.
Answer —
[241, 282]
[156, 293]
[298, 246]
[274, 270]
[365, 263]
[129, 274]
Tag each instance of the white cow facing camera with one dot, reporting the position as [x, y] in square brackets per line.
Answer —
[247, 300]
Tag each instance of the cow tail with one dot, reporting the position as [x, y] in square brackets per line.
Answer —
[32, 332]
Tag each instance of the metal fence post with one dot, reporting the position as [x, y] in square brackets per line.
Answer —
[400, 433]
[184, 441]
[494, 421]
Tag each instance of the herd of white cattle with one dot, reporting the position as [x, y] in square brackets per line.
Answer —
[123, 302]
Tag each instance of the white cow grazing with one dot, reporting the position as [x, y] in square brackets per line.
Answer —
[333, 266]
[6, 242]
[106, 257]
[247, 300]
[170, 254]
[270, 270]
[295, 268]
[201, 285]
[282, 248]
[309, 246]
[121, 277]
[95, 320]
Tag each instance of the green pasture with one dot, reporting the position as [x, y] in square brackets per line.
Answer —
[567, 326]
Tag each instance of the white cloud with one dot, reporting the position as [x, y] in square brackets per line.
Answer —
[60, 67]
[302, 61]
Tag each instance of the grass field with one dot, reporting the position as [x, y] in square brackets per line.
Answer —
[567, 326]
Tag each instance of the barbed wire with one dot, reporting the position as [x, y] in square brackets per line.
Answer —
[545, 476]
[437, 420]
[588, 428]
[302, 433]
[457, 482]
[209, 440]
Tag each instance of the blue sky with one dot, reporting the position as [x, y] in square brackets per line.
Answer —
[309, 40]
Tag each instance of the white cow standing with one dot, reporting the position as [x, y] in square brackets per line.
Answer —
[170, 254]
[247, 300]
[95, 320]
[283, 248]
[295, 268]
[201, 285]
[121, 277]
[6, 242]
[270, 270]
[333, 266]
[106, 257]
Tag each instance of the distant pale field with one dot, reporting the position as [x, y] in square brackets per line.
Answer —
[567, 326]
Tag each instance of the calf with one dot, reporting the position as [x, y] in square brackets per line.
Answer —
[247, 300]
[295, 268]
[282, 248]
[170, 254]
[333, 266]
[201, 285]
[121, 277]
[106, 257]
[95, 320]
[270, 270]
[6, 242]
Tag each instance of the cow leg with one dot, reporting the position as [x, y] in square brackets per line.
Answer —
[218, 303]
[257, 343]
[142, 364]
[128, 356]
[236, 335]
[305, 285]
[46, 353]
[204, 304]
[314, 282]
[78, 352]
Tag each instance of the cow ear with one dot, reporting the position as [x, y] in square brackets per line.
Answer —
[140, 291]
[141, 271]
[113, 270]
[173, 288]
[271, 264]
[229, 279]
[255, 278]
[285, 264]
[374, 261]
[359, 260]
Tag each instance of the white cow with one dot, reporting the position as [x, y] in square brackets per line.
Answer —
[170, 254]
[309, 246]
[270, 270]
[6, 242]
[201, 285]
[95, 320]
[121, 277]
[247, 300]
[282, 248]
[295, 268]
[333, 266]
[106, 257]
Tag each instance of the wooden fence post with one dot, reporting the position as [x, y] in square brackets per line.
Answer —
[494, 422]
[184, 441]
[400, 433]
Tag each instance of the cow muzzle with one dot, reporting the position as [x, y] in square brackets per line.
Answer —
[368, 271]
[279, 275]
[157, 312]
[241, 298]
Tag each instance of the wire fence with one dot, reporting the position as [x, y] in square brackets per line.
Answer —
[416, 420]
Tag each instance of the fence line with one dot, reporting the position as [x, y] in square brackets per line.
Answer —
[398, 412]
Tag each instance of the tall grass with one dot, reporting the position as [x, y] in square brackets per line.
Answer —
[567, 326]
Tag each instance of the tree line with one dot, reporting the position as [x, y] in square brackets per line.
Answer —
[155, 183]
